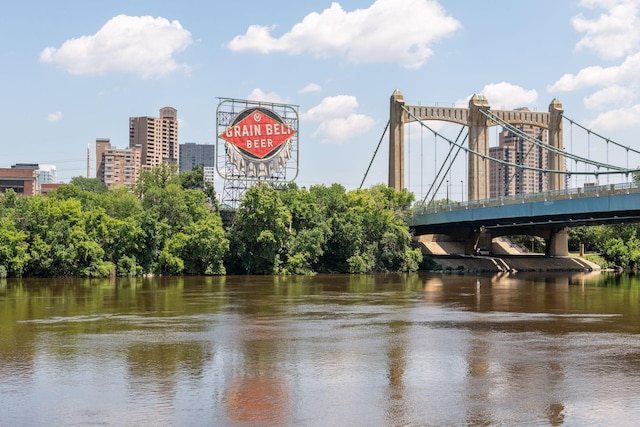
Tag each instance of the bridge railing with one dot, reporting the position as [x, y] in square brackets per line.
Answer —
[569, 193]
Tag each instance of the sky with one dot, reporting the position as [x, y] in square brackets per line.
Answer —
[76, 70]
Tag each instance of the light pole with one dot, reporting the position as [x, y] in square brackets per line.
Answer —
[447, 191]
[462, 189]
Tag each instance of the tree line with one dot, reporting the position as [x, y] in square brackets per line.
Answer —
[170, 224]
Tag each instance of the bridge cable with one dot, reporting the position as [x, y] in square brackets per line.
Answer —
[626, 147]
[588, 148]
[374, 153]
[435, 179]
[575, 167]
[409, 162]
[547, 147]
[486, 157]
[435, 192]
[421, 161]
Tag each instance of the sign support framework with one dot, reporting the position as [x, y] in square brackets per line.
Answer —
[256, 142]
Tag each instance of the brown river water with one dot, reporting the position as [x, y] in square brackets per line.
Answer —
[380, 350]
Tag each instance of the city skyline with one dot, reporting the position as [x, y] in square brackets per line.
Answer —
[65, 84]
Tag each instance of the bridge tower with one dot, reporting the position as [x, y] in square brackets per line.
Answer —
[478, 175]
[556, 162]
[478, 124]
[397, 119]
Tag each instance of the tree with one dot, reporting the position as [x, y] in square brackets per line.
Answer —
[261, 231]
[158, 177]
[88, 184]
[14, 254]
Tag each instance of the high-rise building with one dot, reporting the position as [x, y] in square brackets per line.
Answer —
[157, 137]
[192, 155]
[505, 180]
[116, 166]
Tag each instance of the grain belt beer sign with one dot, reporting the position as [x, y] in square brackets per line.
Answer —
[258, 142]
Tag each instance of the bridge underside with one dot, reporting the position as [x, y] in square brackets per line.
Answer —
[548, 219]
[477, 239]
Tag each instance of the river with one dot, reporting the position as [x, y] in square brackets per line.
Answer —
[378, 350]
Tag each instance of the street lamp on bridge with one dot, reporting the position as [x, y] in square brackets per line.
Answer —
[447, 191]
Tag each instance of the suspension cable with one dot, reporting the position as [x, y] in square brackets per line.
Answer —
[486, 157]
[600, 136]
[435, 179]
[374, 153]
[409, 162]
[520, 133]
[421, 162]
[433, 196]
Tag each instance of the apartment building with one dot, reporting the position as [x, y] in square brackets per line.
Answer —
[157, 137]
[117, 166]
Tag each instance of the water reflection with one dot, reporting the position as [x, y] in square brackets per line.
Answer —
[397, 412]
[349, 350]
[257, 392]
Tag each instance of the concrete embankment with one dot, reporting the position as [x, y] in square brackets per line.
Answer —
[505, 256]
[512, 263]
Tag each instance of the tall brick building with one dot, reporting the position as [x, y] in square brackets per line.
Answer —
[157, 137]
[116, 166]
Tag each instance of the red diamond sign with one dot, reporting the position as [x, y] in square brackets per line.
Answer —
[257, 131]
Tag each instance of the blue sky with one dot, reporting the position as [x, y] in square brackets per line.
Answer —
[74, 71]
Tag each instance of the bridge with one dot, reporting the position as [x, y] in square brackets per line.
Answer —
[512, 211]
[546, 215]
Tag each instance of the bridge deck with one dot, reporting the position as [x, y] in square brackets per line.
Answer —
[567, 208]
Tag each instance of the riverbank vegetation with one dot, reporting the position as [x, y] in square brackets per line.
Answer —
[170, 224]
[611, 246]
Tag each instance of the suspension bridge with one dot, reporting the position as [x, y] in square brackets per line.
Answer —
[493, 210]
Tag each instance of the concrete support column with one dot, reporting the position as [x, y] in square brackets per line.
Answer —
[558, 243]
[476, 240]
[469, 245]
[478, 173]
[396, 141]
[484, 240]
[556, 161]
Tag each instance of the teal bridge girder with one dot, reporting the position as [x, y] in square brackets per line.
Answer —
[538, 214]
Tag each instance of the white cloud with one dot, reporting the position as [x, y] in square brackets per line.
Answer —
[141, 45]
[311, 87]
[614, 33]
[504, 95]
[616, 119]
[332, 107]
[586, 77]
[259, 95]
[54, 117]
[338, 120]
[387, 31]
[611, 96]
[626, 73]
[343, 129]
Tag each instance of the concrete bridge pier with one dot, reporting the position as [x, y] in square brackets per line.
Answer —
[557, 244]
[477, 240]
